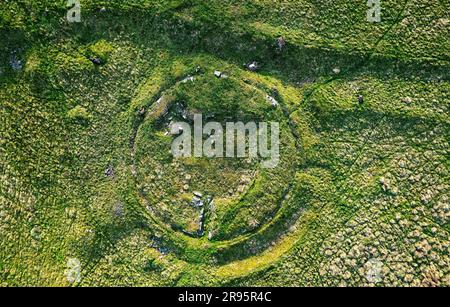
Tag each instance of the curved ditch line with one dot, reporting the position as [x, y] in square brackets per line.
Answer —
[234, 242]
[284, 107]
[265, 91]
[285, 111]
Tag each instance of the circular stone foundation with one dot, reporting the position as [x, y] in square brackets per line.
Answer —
[217, 209]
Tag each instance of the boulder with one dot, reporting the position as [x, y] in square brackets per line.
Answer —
[96, 61]
[272, 101]
[360, 99]
[109, 172]
[198, 194]
[253, 66]
[15, 62]
[281, 43]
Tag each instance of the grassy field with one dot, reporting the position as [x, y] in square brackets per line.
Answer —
[88, 187]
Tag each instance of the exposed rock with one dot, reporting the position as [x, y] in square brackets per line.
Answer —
[156, 243]
[201, 229]
[197, 202]
[198, 194]
[73, 272]
[253, 66]
[384, 183]
[179, 110]
[109, 172]
[272, 100]
[281, 43]
[15, 62]
[96, 61]
[360, 99]
[188, 79]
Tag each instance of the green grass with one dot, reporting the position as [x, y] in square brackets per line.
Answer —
[355, 181]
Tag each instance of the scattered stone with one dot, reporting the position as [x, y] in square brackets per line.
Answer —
[197, 202]
[109, 172]
[15, 62]
[336, 70]
[156, 243]
[360, 99]
[220, 74]
[281, 42]
[384, 184]
[178, 110]
[198, 194]
[160, 100]
[96, 61]
[73, 272]
[253, 66]
[272, 100]
[188, 79]
[201, 229]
